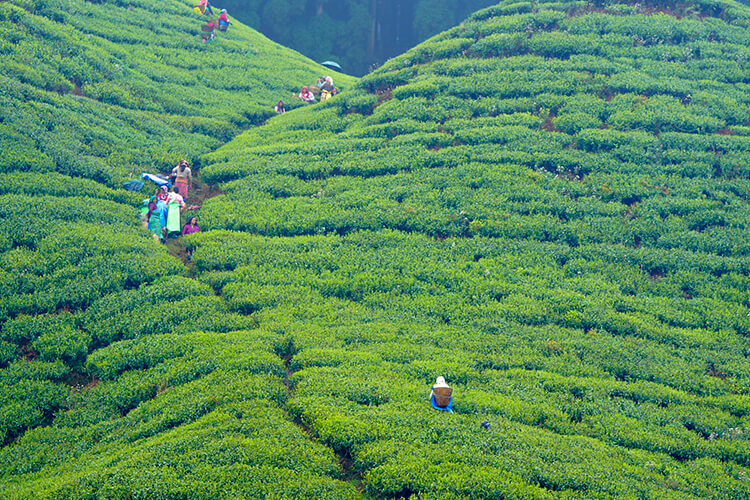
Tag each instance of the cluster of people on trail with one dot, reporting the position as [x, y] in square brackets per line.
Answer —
[164, 208]
[323, 88]
[325, 84]
[208, 30]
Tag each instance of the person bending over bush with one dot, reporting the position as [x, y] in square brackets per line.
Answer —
[441, 396]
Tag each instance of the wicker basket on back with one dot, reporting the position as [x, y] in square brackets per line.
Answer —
[442, 396]
[210, 26]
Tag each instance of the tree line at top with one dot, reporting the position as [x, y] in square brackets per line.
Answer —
[358, 34]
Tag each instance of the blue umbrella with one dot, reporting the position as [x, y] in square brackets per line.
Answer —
[332, 65]
[160, 181]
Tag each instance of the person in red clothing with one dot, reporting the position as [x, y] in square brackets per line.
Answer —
[305, 95]
[189, 228]
[223, 20]
[161, 206]
[163, 193]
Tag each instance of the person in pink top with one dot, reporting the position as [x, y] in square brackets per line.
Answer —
[306, 95]
[190, 227]
[204, 6]
[223, 20]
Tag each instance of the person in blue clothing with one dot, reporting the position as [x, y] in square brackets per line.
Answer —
[223, 20]
[161, 207]
[441, 396]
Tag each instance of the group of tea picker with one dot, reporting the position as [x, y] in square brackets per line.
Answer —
[323, 89]
[162, 211]
[208, 30]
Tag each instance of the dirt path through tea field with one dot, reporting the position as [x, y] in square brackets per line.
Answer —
[348, 472]
[199, 193]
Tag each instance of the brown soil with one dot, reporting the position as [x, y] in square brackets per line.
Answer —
[199, 193]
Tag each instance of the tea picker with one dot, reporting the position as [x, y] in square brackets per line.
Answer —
[223, 20]
[441, 396]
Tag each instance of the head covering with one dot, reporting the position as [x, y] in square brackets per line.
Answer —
[304, 88]
[440, 382]
[329, 80]
[223, 11]
[164, 187]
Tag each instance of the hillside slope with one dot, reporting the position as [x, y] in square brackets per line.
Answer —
[547, 205]
[93, 94]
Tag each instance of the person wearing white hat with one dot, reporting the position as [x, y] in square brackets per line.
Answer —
[223, 20]
[441, 396]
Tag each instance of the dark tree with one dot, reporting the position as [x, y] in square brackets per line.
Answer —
[359, 34]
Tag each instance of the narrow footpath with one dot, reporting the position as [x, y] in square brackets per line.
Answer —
[200, 192]
[348, 473]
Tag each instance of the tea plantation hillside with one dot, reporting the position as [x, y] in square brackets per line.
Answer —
[93, 94]
[547, 205]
